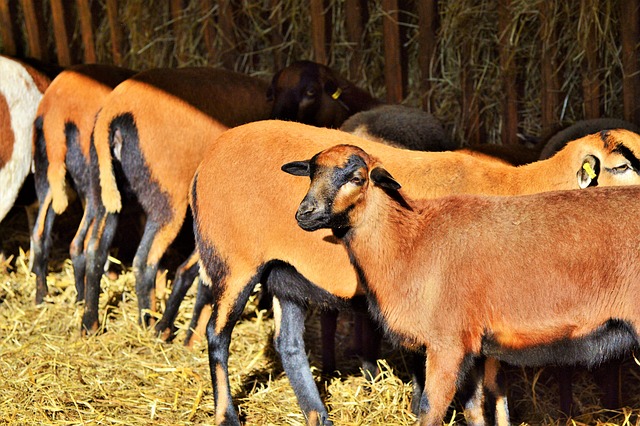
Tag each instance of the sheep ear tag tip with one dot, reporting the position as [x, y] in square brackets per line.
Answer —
[587, 168]
[336, 94]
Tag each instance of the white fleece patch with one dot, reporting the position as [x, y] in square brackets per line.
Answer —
[22, 96]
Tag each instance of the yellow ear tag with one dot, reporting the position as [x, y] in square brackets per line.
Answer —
[587, 168]
[337, 93]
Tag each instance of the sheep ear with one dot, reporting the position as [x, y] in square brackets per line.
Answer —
[383, 179]
[588, 173]
[297, 168]
[331, 88]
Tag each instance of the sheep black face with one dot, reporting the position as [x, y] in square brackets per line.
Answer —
[304, 92]
[340, 177]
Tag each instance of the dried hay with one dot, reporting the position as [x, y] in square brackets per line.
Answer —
[124, 375]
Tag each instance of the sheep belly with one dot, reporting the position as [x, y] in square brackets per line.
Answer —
[608, 341]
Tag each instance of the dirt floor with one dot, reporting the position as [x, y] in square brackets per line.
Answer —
[49, 374]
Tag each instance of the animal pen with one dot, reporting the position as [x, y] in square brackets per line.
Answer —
[490, 70]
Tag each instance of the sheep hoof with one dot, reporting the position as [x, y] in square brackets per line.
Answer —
[166, 332]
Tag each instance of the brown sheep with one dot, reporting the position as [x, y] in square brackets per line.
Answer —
[158, 125]
[453, 275]
[63, 126]
[238, 194]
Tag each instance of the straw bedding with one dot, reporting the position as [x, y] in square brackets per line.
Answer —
[49, 374]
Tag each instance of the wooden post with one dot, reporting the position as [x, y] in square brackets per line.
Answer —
[176, 9]
[277, 39]
[550, 85]
[630, 35]
[318, 31]
[86, 28]
[355, 27]
[225, 20]
[7, 30]
[590, 65]
[116, 32]
[427, 44]
[209, 32]
[392, 56]
[34, 23]
[509, 74]
[60, 33]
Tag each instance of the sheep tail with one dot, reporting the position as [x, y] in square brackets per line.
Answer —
[109, 189]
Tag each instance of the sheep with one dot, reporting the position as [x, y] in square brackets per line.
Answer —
[454, 276]
[582, 128]
[400, 126]
[238, 194]
[312, 93]
[63, 125]
[21, 88]
[157, 124]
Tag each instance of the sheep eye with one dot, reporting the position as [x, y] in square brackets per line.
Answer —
[311, 93]
[621, 168]
[357, 180]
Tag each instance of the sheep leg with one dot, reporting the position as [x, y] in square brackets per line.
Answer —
[418, 361]
[77, 251]
[104, 227]
[185, 275]
[155, 240]
[227, 310]
[564, 375]
[328, 325]
[442, 371]
[41, 246]
[471, 393]
[204, 298]
[494, 383]
[289, 343]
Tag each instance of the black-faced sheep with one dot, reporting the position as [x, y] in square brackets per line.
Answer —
[453, 275]
[158, 125]
[63, 126]
[314, 94]
[239, 194]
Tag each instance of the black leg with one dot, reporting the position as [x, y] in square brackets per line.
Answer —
[328, 325]
[41, 246]
[185, 275]
[102, 234]
[289, 343]
[77, 252]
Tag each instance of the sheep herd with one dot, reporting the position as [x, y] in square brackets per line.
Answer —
[465, 256]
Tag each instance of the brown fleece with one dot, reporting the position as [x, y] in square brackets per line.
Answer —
[6, 132]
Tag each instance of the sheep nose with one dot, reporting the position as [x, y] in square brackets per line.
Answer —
[306, 209]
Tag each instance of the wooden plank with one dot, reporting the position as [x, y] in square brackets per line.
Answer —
[355, 27]
[60, 33]
[508, 73]
[318, 31]
[590, 64]
[115, 32]
[277, 38]
[7, 30]
[630, 37]
[550, 84]
[392, 55]
[86, 29]
[176, 9]
[225, 21]
[209, 32]
[33, 23]
[427, 46]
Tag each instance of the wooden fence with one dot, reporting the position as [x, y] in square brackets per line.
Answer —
[45, 30]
